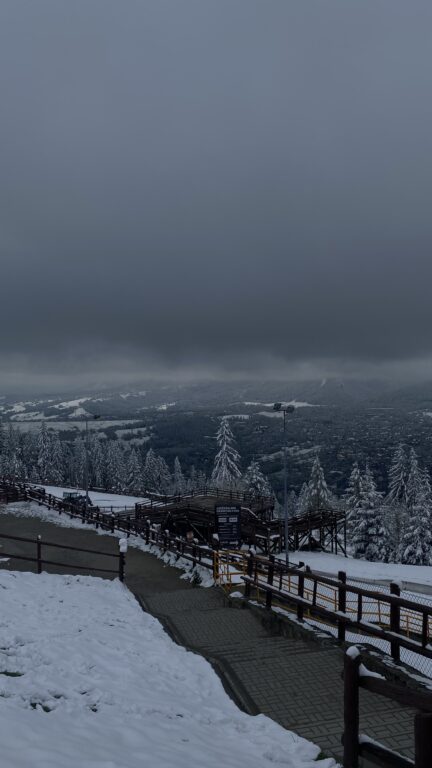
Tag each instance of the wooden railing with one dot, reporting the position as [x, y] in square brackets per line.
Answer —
[38, 543]
[400, 622]
[355, 744]
[301, 589]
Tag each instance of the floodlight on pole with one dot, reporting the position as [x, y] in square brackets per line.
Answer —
[285, 408]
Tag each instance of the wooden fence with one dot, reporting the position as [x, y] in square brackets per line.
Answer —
[38, 543]
[389, 617]
[355, 744]
[405, 623]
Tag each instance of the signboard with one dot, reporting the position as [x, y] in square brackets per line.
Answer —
[228, 526]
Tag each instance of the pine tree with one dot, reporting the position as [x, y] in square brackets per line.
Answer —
[43, 459]
[397, 477]
[254, 481]
[179, 482]
[227, 461]
[318, 495]
[150, 472]
[97, 462]
[133, 472]
[369, 535]
[415, 480]
[56, 465]
[164, 479]
[302, 501]
[78, 462]
[115, 467]
[192, 482]
[417, 536]
[353, 491]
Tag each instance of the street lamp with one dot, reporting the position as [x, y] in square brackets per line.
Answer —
[285, 409]
[86, 474]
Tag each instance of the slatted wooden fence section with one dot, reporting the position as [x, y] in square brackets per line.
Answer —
[38, 543]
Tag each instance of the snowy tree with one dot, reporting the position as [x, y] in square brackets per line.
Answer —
[56, 460]
[417, 536]
[397, 501]
[353, 492]
[163, 476]
[302, 501]
[192, 481]
[97, 462]
[133, 472]
[79, 462]
[226, 470]
[150, 472]
[369, 534]
[115, 467]
[254, 481]
[397, 477]
[318, 495]
[43, 459]
[415, 479]
[179, 482]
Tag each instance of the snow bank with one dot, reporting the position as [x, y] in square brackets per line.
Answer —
[87, 678]
[362, 569]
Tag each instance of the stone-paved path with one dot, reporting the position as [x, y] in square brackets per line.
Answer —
[294, 681]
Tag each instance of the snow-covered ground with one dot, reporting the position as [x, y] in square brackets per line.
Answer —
[87, 678]
[363, 569]
[102, 499]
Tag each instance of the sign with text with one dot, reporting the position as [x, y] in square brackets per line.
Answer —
[228, 526]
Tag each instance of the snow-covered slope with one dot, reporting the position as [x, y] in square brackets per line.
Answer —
[87, 678]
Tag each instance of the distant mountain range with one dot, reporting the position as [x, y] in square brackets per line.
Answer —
[133, 403]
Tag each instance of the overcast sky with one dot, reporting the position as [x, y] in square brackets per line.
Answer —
[213, 185]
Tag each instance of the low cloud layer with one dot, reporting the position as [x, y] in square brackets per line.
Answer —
[214, 187]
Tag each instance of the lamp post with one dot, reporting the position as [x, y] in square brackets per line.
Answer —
[285, 409]
[86, 469]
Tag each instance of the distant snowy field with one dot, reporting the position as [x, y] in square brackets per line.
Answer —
[102, 499]
[87, 678]
[364, 570]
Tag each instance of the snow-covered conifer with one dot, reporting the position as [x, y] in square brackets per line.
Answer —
[318, 495]
[150, 472]
[416, 541]
[134, 479]
[164, 479]
[369, 534]
[43, 459]
[179, 482]
[254, 481]
[397, 477]
[226, 470]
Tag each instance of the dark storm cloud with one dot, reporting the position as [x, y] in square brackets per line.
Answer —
[224, 184]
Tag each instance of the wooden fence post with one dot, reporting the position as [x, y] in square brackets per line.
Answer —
[300, 592]
[249, 572]
[270, 581]
[122, 558]
[39, 554]
[395, 622]
[147, 532]
[351, 709]
[423, 739]
[341, 606]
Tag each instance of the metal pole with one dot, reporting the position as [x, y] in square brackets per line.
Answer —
[86, 473]
[285, 492]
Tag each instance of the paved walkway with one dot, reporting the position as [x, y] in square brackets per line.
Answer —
[294, 681]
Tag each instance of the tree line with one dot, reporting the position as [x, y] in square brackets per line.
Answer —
[389, 527]
[112, 465]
